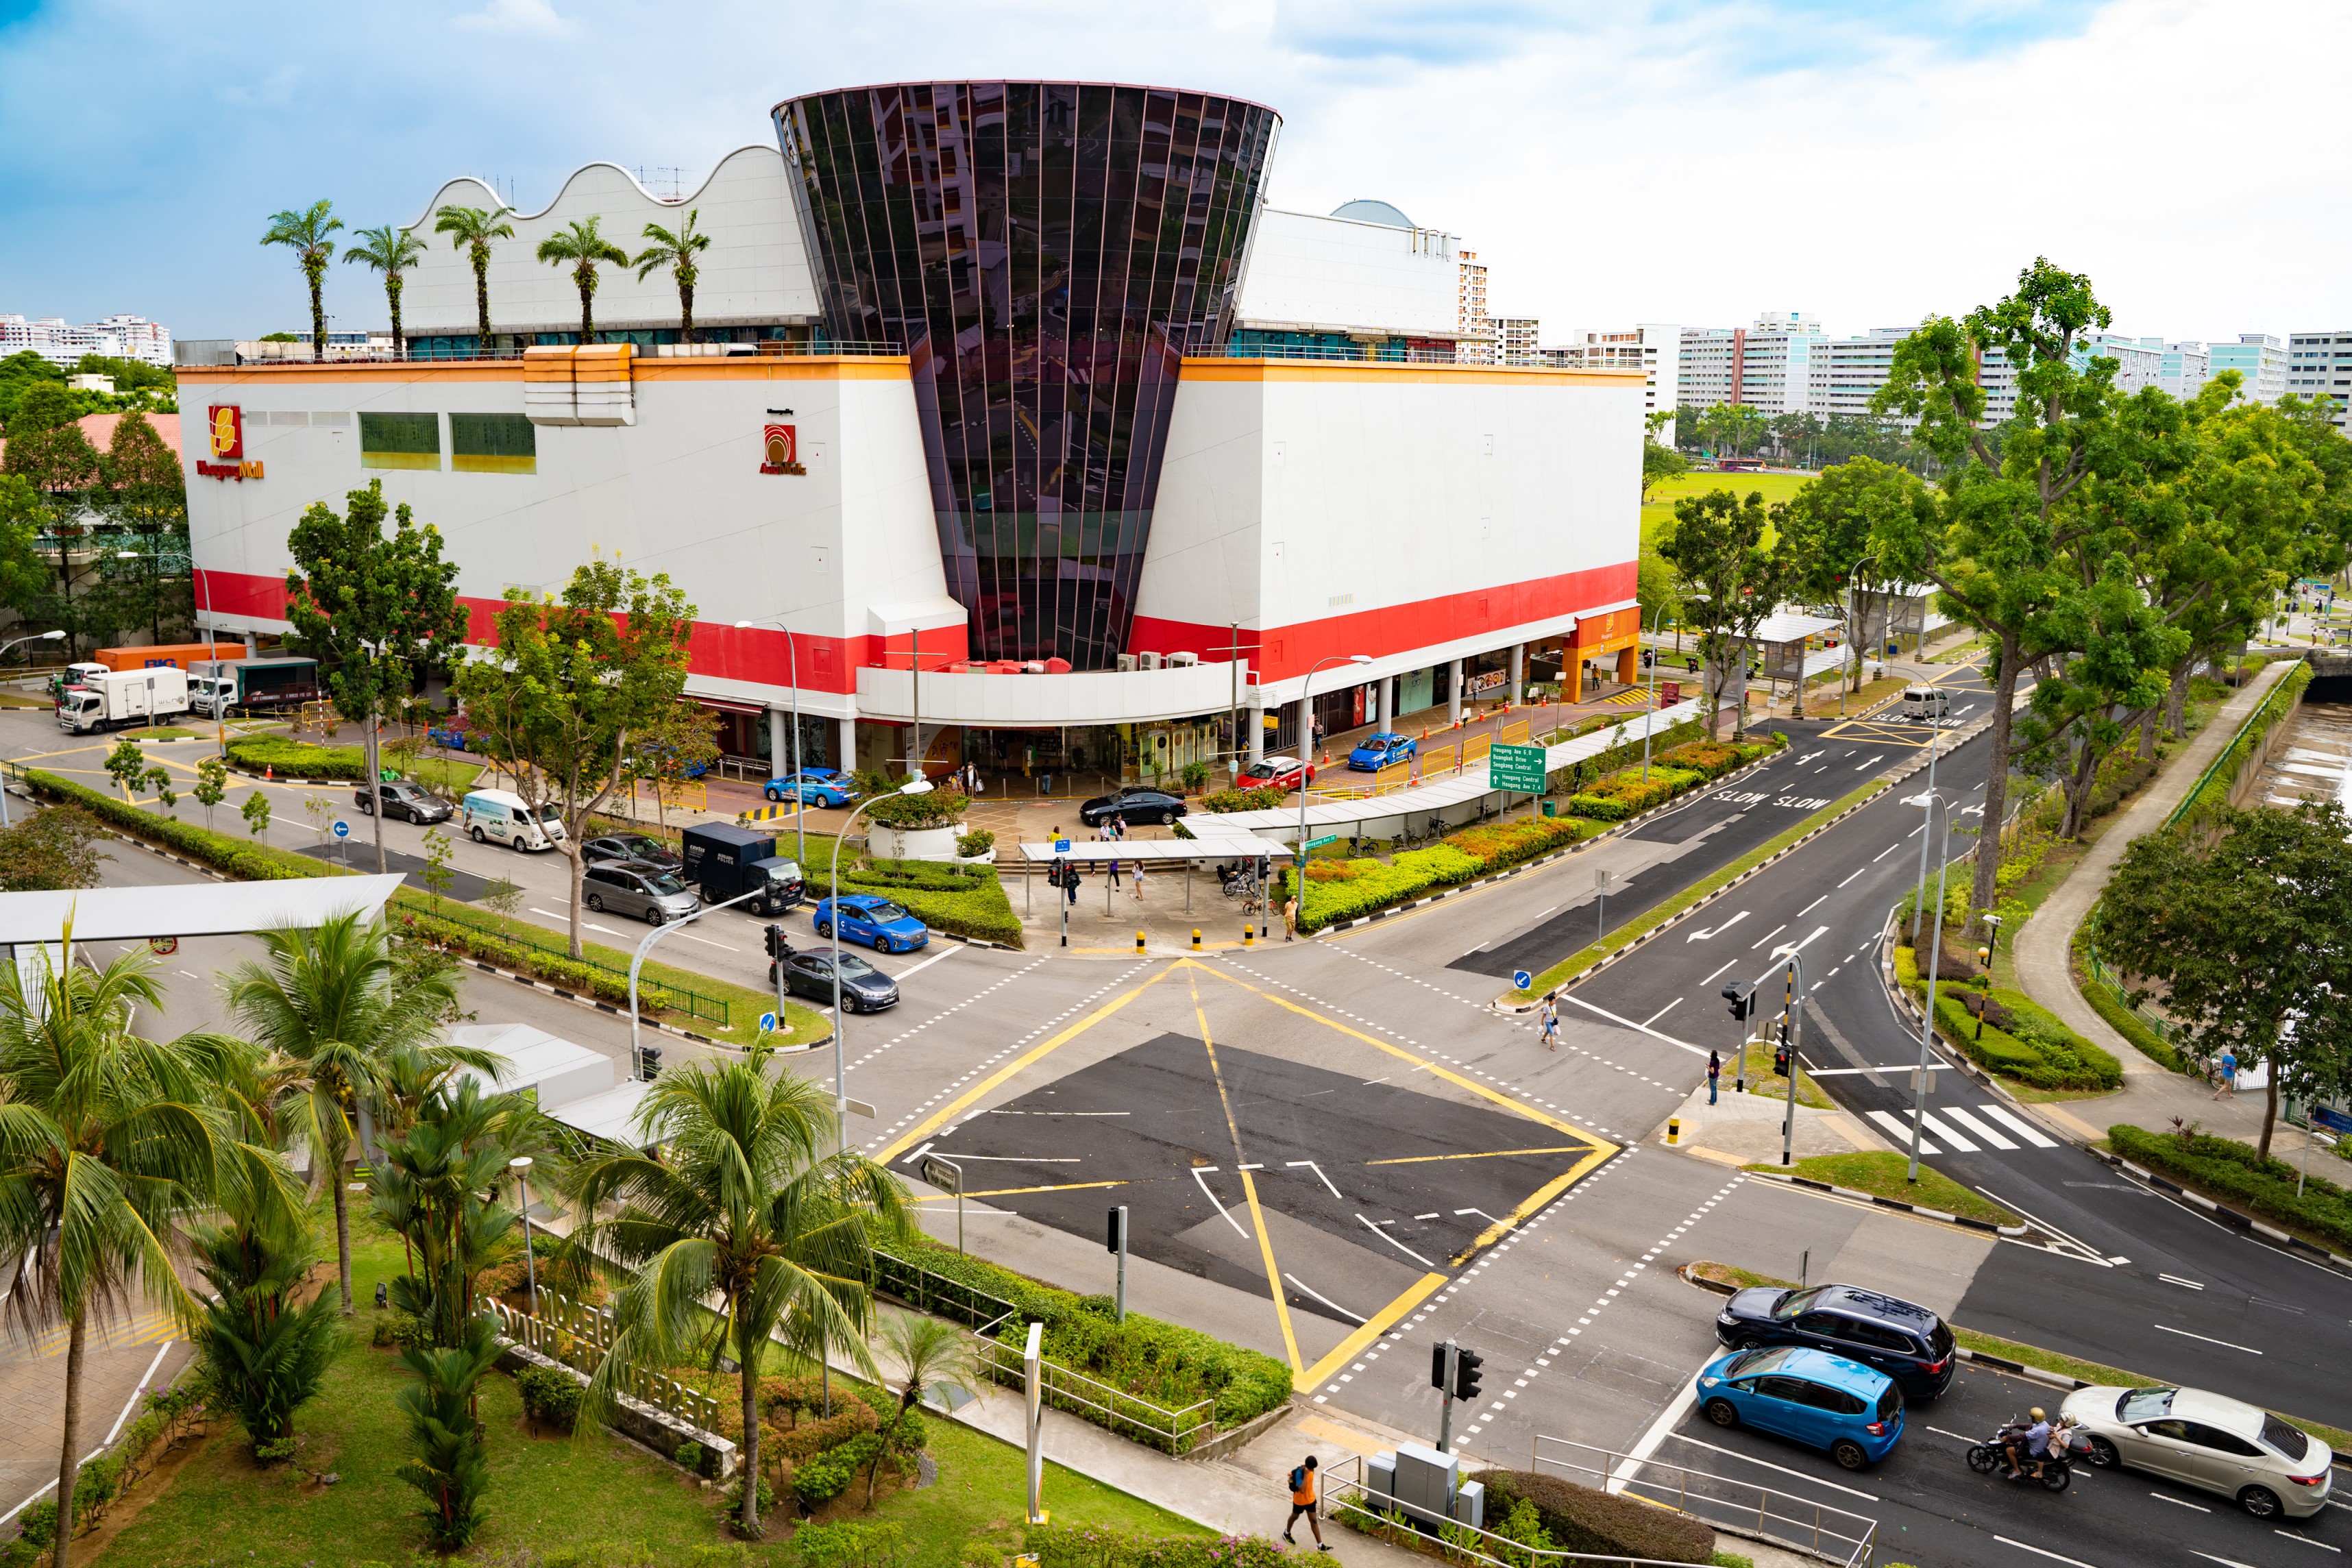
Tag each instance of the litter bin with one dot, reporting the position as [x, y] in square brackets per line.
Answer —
[1551, 808]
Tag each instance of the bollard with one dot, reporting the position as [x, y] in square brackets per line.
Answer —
[1139, 944]
[1196, 939]
[1674, 1132]
[1249, 935]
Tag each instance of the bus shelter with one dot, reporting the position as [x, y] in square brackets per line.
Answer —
[1189, 852]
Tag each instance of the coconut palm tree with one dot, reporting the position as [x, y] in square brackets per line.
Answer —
[391, 251]
[305, 233]
[323, 1002]
[677, 252]
[580, 246]
[743, 1208]
[108, 1141]
[471, 229]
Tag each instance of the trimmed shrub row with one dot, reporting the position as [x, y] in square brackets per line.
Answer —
[295, 759]
[967, 901]
[1224, 800]
[2225, 1168]
[1086, 1546]
[2213, 789]
[2022, 1039]
[1626, 794]
[247, 858]
[2131, 1025]
[1581, 1518]
[586, 979]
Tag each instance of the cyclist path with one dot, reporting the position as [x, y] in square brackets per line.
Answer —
[2152, 1095]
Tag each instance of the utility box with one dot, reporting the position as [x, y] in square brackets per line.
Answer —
[1379, 1475]
[1470, 1505]
[1426, 1482]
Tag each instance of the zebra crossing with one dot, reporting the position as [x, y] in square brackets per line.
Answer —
[1956, 1128]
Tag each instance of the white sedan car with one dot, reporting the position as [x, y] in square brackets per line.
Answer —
[2207, 1440]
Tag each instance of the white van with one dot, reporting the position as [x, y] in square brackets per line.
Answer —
[1925, 704]
[501, 816]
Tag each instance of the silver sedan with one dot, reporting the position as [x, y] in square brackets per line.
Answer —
[2209, 1441]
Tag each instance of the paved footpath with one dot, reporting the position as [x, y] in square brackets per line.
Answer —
[118, 1364]
[2152, 1095]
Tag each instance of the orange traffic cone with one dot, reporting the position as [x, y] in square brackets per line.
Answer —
[269, 769]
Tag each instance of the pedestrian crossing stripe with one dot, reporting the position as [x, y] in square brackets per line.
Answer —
[1634, 698]
[147, 1329]
[1940, 1126]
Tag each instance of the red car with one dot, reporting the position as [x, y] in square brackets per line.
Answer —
[1277, 773]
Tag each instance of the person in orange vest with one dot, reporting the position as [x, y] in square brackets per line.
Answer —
[1302, 1500]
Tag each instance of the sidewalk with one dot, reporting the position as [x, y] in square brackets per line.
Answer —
[2151, 1095]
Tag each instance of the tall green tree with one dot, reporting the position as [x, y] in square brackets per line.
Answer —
[742, 1214]
[265, 1352]
[2245, 917]
[109, 1141]
[582, 246]
[49, 451]
[143, 493]
[305, 232]
[437, 1185]
[1832, 523]
[572, 689]
[471, 229]
[391, 251]
[1997, 544]
[1728, 580]
[322, 1003]
[378, 609]
[676, 251]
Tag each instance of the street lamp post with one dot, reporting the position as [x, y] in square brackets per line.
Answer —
[800, 800]
[1935, 963]
[520, 1166]
[637, 962]
[915, 785]
[37, 637]
[1307, 753]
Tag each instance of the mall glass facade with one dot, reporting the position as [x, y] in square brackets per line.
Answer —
[1046, 253]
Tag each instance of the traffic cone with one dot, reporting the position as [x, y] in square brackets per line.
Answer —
[269, 770]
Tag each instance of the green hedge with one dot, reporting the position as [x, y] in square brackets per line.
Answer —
[2131, 1025]
[966, 901]
[292, 759]
[2225, 1168]
[2036, 1048]
[1088, 1546]
[2213, 788]
[1582, 1519]
[1265, 799]
[246, 858]
[1169, 1365]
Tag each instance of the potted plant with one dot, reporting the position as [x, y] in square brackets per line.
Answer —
[915, 827]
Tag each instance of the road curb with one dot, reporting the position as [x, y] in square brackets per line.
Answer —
[2224, 1215]
[1921, 1210]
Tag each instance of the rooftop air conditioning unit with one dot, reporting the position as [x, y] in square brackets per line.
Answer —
[1182, 661]
[1147, 661]
[1127, 661]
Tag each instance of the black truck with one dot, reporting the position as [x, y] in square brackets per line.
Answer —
[725, 860]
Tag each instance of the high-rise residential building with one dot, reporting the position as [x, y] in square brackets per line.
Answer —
[1653, 348]
[2139, 361]
[1515, 339]
[1849, 371]
[1478, 332]
[117, 337]
[2319, 366]
[1767, 366]
[2186, 367]
[2260, 360]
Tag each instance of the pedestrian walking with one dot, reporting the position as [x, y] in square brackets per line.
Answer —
[1714, 1072]
[1070, 881]
[1302, 1500]
[1290, 918]
[1113, 873]
[1550, 1018]
[2228, 1076]
[1138, 881]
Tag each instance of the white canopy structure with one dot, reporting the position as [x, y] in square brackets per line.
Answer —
[611, 1115]
[196, 909]
[1206, 847]
[560, 1071]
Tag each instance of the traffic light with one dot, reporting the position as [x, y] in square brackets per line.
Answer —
[775, 941]
[1742, 997]
[1117, 1240]
[1437, 1369]
[1465, 1373]
[1780, 1059]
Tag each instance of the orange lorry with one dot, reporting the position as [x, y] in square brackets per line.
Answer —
[174, 655]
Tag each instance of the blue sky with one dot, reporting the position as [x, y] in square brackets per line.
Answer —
[1684, 161]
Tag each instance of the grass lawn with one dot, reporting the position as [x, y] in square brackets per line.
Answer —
[167, 732]
[1884, 1173]
[447, 776]
[1763, 1080]
[546, 1491]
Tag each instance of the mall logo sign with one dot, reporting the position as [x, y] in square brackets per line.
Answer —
[225, 435]
[781, 444]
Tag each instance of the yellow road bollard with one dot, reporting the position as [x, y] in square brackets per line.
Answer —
[1674, 1132]
[1139, 944]
[1196, 939]
[1249, 934]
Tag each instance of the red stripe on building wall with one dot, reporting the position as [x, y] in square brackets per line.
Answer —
[756, 655]
[1280, 653]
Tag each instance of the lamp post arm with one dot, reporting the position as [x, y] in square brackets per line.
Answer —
[637, 962]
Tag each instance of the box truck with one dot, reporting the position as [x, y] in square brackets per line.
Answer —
[215, 686]
[121, 697]
[725, 860]
[178, 655]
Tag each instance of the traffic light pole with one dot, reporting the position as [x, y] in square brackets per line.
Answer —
[1446, 1357]
[1743, 1000]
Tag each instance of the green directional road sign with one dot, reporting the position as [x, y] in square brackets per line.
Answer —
[1516, 767]
[1315, 843]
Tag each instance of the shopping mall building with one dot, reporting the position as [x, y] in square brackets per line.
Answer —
[1013, 406]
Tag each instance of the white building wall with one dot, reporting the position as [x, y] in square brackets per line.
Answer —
[2319, 367]
[2259, 358]
[1310, 273]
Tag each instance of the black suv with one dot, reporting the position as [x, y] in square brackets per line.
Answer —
[1137, 803]
[1908, 1343]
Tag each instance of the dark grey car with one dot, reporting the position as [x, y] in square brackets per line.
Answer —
[641, 891]
[864, 988]
[405, 801]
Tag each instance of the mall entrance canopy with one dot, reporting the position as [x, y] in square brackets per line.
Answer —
[196, 909]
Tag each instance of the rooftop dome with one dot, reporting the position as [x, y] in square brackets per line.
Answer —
[1373, 212]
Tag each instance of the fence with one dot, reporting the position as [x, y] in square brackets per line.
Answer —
[566, 1330]
[1353, 1503]
[1718, 1500]
[694, 1004]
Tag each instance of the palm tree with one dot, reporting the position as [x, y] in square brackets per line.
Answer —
[323, 1002]
[107, 1143]
[451, 1466]
[430, 1188]
[582, 247]
[305, 233]
[931, 1353]
[471, 229]
[265, 1356]
[391, 251]
[677, 252]
[742, 1209]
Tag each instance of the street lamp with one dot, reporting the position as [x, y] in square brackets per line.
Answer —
[1307, 755]
[520, 1166]
[37, 637]
[800, 801]
[1650, 720]
[915, 785]
[1935, 959]
[1852, 613]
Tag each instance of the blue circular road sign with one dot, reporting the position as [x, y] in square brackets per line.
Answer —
[342, 829]
[1520, 978]
[767, 1023]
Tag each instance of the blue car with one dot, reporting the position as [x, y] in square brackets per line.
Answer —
[1379, 752]
[1824, 1401]
[815, 786]
[875, 920]
[446, 737]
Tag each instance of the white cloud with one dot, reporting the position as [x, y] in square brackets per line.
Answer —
[527, 17]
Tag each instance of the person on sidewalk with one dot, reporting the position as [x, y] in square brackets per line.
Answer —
[2227, 1078]
[1290, 918]
[1550, 1020]
[1138, 881]
[1714, 1073]
[1114, 872]
[1302, 1500]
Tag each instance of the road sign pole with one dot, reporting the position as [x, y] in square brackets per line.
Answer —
[1445, 1402]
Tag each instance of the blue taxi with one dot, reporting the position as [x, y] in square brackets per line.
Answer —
[868, 918]
[1848, 1410]
[1382, 750]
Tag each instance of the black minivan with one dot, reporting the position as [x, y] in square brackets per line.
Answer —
[1908, 1342]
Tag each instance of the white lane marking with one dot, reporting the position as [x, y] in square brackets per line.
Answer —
[2176, 1279]
[2053, 1556]
[1391, 1240]
[1294, 1164]
[1976, 1128]
[1857, 871]
[1661, 1012]
[2225, 1345]
[137, 1389]
[1787, 948]
[2225, 1561]
[1938, 1130]
[2180, 1502]
[1659, 1430]
[1883, 854]
[1941, 1433]
[1767, 936]
[2019, 1125]
[1213, 1198]
[2307, 1541]
[1309, 1290]
[707, 943]
[1735, 1454]
[1902, 1131]
[943, 952]
[1703, 935]
[1630, 1024]
[1809, 909]
[1710, 979]
[1871, 763]
[1022, 1159]
[910, 1158]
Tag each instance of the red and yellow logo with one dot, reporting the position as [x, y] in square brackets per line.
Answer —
[227, 429]
[779, 445]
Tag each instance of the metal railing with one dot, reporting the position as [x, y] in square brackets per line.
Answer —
[1358, 354]
[694, 1004]
[761, 348]
[1350, 1500]
[1717, 1500]
[573, 1333]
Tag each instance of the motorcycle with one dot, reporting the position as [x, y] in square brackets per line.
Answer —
[2056, 1473]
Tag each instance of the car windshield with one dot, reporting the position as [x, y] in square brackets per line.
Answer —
[2140, 1404]
[1748, 1362]
[549, 812]
[885, 913]
[637, 844]
[852, 964]
[664, 882]
[1796, 1301]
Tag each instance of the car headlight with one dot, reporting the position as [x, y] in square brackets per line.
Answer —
[1726, 1316]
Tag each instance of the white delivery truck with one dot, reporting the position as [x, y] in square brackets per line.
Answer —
[120, 697]
[502, 816]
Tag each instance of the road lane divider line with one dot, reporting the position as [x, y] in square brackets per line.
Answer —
[1249, 1184]
[1305, 1289]
[1475, 1154]
[2207, 1338]
[1767, 1464]
[1008, 1192]
[1379, 1324]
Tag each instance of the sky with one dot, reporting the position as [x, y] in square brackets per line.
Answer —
[1685, 160]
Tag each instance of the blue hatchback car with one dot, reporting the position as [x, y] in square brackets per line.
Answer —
[875, 920]
[815, 786]
[1379, 752]
[1849, 1411]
